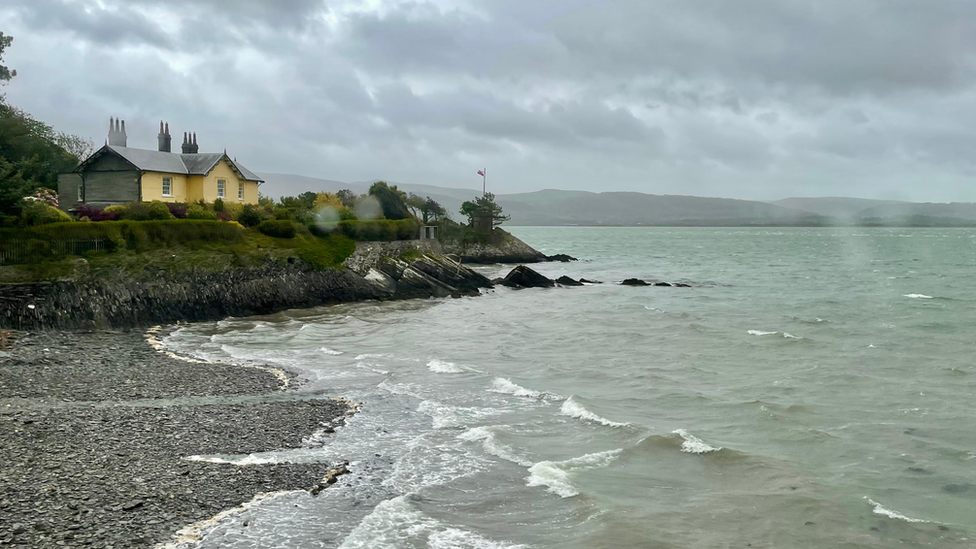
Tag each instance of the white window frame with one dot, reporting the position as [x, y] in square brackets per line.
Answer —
[81, 192]
[221, 188]
[168, 182]
[240, 190]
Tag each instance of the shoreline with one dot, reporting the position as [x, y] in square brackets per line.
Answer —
[96, 429]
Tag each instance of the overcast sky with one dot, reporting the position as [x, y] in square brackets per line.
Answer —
[759, 99]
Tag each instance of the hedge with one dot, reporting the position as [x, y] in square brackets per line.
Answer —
[382, 229]
[38, 243]
[277, 228]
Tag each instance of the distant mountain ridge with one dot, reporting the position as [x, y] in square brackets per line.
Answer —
[558, 207]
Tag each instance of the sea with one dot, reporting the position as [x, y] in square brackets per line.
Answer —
[814, 387]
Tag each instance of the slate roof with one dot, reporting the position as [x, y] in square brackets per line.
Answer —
[159, 161]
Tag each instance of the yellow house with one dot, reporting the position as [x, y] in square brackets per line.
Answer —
[117, 174]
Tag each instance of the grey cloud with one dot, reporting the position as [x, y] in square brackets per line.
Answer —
[752, 98]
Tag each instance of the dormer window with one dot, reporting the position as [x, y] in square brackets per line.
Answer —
[221, 185]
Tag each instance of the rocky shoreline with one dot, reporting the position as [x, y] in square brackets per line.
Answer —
[95, 429]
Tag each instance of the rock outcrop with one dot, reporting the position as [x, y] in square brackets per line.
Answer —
[126, 302]
[566, 281]
[524, 277]
[563, 258]
[634, 282]
[504, 249]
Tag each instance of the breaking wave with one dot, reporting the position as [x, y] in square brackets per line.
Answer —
[329, 351]
[444, 367]
[556, 475]
[693, 444]
[492, 446]
[574, 409]
[918, 296]
[881, 510]
[505, 386]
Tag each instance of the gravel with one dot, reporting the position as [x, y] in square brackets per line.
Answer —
[107, 468]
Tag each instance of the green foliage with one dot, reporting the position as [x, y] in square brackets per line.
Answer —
[37, 212]
[30, 156]
[278, 228]
[5, 73]
[380, 229]
[218, 205]
[137, 236]
[326, 253]
[348, 198]
[197, 211]
[432, 210]
[392, 200]
[250, 216]
[484, 205]
[142, 211]
[283, 213]
[415, 204]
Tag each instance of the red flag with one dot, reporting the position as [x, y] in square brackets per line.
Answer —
[481, 172]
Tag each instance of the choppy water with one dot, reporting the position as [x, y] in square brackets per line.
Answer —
[816, 389]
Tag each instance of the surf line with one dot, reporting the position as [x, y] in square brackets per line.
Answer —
[152, 338]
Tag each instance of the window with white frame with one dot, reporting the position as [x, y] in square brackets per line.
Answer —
[167, 186]
[240, 191]
[81, 193]
[221, 184]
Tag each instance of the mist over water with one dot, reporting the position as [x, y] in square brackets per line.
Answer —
[814, 389]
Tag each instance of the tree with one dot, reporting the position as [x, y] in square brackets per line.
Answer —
[30, 157]
[327, 200]
[307, 198]
[431, 210]
[415, 204]
[484, 205]
[5, 73]
[348, 198]
[392, 200]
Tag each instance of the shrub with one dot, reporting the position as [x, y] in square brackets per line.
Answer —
[196, 211]
[177, 209]
[142, 211]
[218, 205]
[381, 229]
[278, 228]
[250, 216]
[38, 212]
[94, 213]
[233, 209]
[283, 213]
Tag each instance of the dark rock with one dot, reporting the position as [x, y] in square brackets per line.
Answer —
[566, 281]
[634, 282]
[562, 258]
[681, 285]
[666, 284]
[524, 277]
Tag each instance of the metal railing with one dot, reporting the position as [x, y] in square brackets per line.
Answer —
[32, 250]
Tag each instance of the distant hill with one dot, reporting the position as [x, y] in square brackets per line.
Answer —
[557, 207]
[833, 206]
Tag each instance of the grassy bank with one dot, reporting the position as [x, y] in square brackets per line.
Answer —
[145, 248]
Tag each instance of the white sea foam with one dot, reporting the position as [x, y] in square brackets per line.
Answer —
[790, 336]
[881, 510]
[444, 367]
[371, 355]
[392, 523]
[366, 366]
[491, 444]
[251, 459]
[693, 444]
[574, 409]
[329, 351]
[918, 296]
[193, 533]
[505, 386]
[396, 523]
[760, 333]
[446, 416]
[556, 475]
[455, 538]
